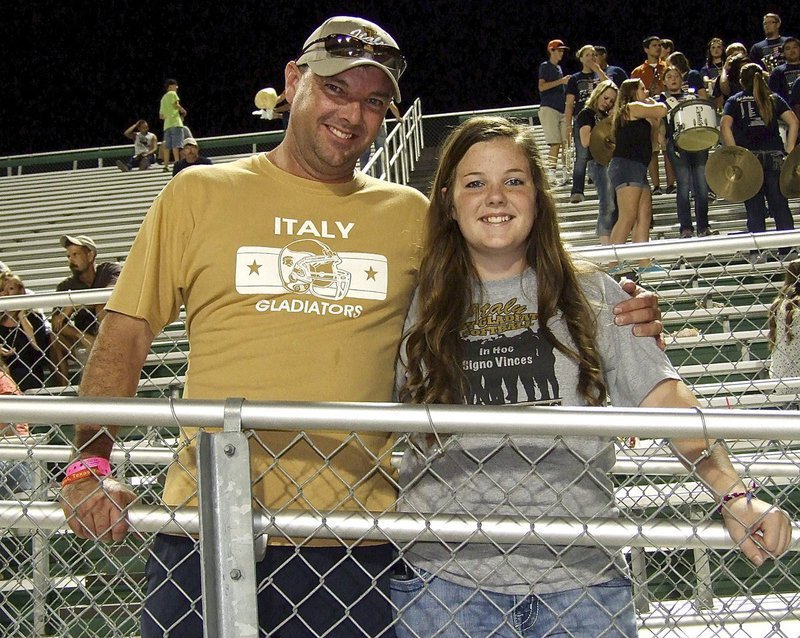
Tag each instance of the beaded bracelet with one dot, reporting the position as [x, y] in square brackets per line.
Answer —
[748, 493]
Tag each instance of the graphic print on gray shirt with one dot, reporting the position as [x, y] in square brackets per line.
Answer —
[508, 360]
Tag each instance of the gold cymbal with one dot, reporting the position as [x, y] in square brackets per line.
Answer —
[601, 143]
[734, 173]
[790, 174]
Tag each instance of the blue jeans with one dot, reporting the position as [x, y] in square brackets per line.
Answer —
[607, 214]
[778, 206]
[134, 161]
[690, 174]
[581, 160]
[313, 592]
[626, 172]
[430, 606]
[173, 137]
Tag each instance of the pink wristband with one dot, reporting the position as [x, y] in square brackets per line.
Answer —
[99, 466]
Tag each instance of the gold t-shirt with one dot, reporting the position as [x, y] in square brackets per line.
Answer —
[294, 291]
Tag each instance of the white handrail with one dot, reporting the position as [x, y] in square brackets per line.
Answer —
[397, 149]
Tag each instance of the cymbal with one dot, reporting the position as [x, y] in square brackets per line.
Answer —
[601, 143]
[790, 174]
[734, 173]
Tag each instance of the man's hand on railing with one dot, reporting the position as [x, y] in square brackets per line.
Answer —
[95, 509]
[641, 310]
[760, 530]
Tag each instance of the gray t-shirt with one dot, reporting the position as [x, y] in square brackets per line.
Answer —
[508, 361]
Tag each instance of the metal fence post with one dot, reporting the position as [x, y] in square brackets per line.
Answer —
[40, 557]
[641, 591]
[226, 530]
[703, 587]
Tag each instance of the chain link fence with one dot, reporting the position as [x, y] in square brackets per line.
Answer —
[670, 537]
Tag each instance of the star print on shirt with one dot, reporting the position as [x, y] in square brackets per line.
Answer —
[254, 268]
[371, 273]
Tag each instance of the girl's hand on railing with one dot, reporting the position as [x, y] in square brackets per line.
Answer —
[759, 529]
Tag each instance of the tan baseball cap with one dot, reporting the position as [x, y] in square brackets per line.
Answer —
[78, 240]
[343, 42]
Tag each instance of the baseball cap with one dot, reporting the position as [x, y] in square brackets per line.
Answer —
[78, 240]
[343, 42]
[192, 141]
[556, 44]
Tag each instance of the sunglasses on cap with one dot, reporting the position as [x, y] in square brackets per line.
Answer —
[339, 45]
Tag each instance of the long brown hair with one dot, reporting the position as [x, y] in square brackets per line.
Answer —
[790, 293]
[751, 77]
[447, 277]
[627, 94]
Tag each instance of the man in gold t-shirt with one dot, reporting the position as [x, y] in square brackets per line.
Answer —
[296, 272]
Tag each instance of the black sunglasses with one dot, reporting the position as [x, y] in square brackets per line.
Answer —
[349, 46]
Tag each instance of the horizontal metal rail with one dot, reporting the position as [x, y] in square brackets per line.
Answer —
[391, 417]
[625, 465]
[695, 247]
[401, 527]
[137, 455]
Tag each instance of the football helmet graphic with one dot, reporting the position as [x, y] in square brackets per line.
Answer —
[308, 266]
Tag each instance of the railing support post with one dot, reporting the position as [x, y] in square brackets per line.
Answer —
[227, 553]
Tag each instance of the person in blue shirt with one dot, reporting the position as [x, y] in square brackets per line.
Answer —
[614, 73]
[552, 97]
[191, 156]
[750, 119]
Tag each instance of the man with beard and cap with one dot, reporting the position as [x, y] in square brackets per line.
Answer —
[75, 327]
[296, 272]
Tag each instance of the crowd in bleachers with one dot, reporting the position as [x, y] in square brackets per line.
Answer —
[178, 144]
[39, 350]
[736, 96]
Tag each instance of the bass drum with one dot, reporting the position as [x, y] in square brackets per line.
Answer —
[694, 124]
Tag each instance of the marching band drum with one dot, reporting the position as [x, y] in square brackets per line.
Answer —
[695, 125]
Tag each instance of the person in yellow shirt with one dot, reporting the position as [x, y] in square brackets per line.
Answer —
[172, 113]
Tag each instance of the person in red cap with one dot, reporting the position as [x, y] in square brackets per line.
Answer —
[552, 95]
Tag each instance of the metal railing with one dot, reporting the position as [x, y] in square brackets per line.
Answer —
[396, 158]
[229, 587]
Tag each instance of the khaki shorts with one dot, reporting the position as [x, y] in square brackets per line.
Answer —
[553, 124]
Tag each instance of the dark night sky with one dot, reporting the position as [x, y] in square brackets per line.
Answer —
[75, 74]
